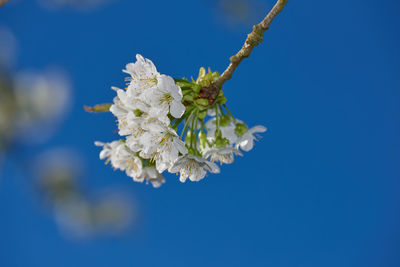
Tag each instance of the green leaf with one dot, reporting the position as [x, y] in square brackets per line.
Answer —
[221, 100]
[202, 102]
[188, 97]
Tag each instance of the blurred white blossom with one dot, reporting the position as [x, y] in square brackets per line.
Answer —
[78, 213]
[42, 100]
[8, 48]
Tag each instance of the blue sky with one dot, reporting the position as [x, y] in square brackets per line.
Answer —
[320, 189]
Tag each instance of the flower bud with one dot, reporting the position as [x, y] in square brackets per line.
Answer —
[203, 139]
[240, 129]
[221, 142]
[224, 120]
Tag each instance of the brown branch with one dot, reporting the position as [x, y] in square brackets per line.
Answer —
[98, 108]
[253, 39]
[2, 2]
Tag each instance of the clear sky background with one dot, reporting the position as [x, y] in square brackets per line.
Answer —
[320, 189]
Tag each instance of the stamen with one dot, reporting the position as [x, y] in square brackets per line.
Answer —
[166, 98]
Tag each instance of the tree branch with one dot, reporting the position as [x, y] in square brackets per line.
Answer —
[98, 108]
[253, 39]
[2, 2]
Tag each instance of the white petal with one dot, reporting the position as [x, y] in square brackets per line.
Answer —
[182, 178]
[247, 145]
[177, 109]
[197, 174]
[258, 129]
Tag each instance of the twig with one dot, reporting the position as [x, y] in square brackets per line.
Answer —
[253, 39]
[98, 108]
[2, 2]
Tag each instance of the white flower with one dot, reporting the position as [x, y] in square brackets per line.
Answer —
[133, 140]
[151, 174]
[222, 155]
[121, 158]
[125, 108]
[227, 131]
[246, 141]
[193, 167]
[143, 73]
[123, 104]
[132, 125]
[166, 97]
[161, 144]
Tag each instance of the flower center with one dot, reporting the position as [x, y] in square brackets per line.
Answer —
[137, 132]
[132, 164]
[166, 98]
[147, 81]
[165, 142]
[191, 164]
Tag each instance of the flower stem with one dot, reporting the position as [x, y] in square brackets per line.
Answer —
[229, 112]
[217, 119]
[187, 120]
[193, 129]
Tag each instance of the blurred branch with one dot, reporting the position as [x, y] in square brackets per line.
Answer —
[252, 40]
[2, 2]
[98, 108]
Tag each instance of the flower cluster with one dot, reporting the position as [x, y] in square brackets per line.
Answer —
[154, 107]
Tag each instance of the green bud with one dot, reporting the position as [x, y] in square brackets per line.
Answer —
[221, 142]
[224, 120]
[240, 129]
[203, 139]
[188, 138]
